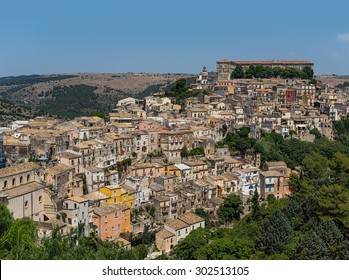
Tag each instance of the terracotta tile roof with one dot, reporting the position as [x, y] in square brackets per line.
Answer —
[271, 173]
[128, 189]
[78, 199]
[24, 189]
[70, 155]
[162, 198]
[106, 209]
[276, 163]
[191, 218]
[177, 224]
[94, 169]
[17, 169]
[164, 234]
[96, 195]
[58, 169]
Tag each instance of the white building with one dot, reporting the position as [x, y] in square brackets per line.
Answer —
[248, 180]
[94, 178]
[186, 173]
[77, 212]
[141, 186]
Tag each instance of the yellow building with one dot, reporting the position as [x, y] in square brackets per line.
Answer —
[173, 170]
[114, 193]
[124, 197]
[120, 194]
[213, 120]
[176, 107]
[128, 195]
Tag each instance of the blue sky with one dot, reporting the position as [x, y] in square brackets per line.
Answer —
[44, 37]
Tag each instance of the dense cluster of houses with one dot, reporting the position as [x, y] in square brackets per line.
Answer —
[92, 174]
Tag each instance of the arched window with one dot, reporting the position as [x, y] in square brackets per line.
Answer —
[21, 180]
[5, 185]
[28, 177]
[13, 182]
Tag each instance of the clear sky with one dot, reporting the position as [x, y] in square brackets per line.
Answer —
[46, 37]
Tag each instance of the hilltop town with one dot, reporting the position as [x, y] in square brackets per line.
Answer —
[149, 164]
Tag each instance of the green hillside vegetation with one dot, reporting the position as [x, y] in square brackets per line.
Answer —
[180, 90]
[73, 101]
[31, 79]
[11, 112]
[273, 147]
[150, 90]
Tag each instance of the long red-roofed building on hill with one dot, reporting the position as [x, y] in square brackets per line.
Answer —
[226, 66]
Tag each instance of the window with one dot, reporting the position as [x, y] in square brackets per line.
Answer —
[116, 214]
[26, 204]
[40, 199]
[75, 206]
[20, 180]
[112, 228]
[5, 184]
[13, 182]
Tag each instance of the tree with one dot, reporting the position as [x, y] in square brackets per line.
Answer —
[203, 214]
[307, 73]
[315, 167]
[84, 185]
[311, 247]
[276, 232]
[6, 219]
[315, 132]
[227, 249]
[250, 72]
[238, 72]
[20, 240]
[322, 240]
[256, 213]
[231, 209]
[98, 114]
[339, 166]
[333, 203]
[187, 248]
[184, 152]
[180, 86]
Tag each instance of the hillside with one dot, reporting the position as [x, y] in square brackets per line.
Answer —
[72, 95]
[10, 112]
[333, 80]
